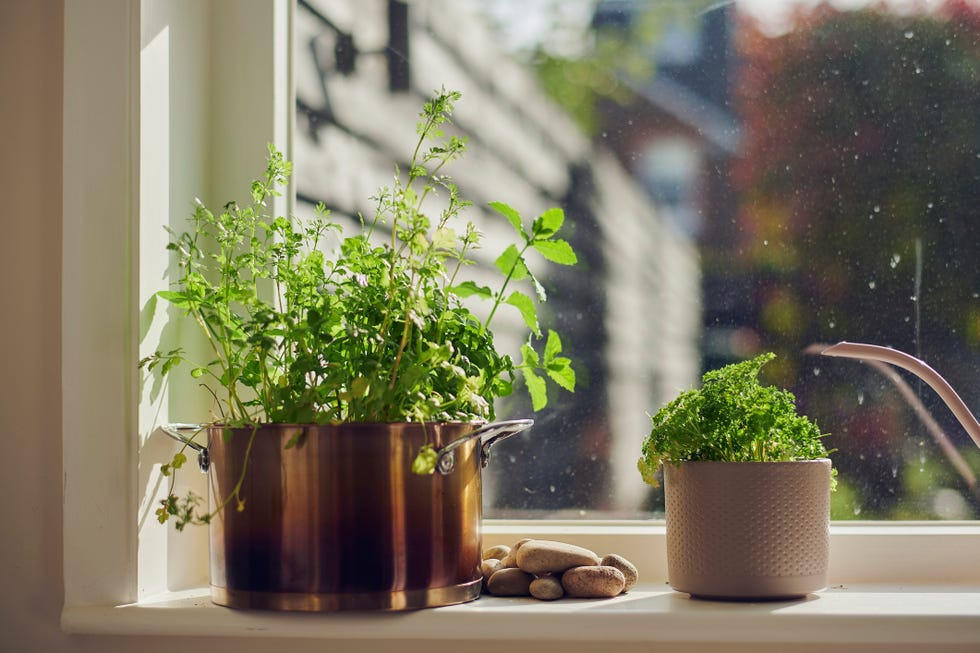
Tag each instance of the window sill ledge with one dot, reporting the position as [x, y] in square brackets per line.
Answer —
[917, 617]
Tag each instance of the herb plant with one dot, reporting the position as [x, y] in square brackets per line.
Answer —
[376, 331]
[731, 418]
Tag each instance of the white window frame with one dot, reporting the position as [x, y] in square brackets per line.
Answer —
[101, 187]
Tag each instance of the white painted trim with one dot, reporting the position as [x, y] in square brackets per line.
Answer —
[250, 105]
[101, 202]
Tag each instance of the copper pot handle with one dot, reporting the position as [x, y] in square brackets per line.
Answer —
[489, 434]
[175, 431]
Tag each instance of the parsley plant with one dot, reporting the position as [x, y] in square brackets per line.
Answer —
[732, 418]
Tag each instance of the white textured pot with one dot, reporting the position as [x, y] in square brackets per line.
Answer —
[748, 531]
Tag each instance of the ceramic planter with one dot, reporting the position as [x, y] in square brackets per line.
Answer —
[748, 531]
[339, 521]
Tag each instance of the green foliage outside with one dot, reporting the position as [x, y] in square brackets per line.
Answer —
[610, 61]
[858, 177]
[859, 221]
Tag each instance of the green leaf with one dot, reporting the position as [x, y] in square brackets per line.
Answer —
[359, 387]
[198, 372]
[469, 288]
[539, 289]
[176, 463]
[556, 251]
[444, 239]
[552, 347]
[425, 461]
[528, 310]
[537, 388]
[511, 263]
[548, 223]
[178, 299]
[530, 357]
[512, 215]
[293, 441]
[560, 371]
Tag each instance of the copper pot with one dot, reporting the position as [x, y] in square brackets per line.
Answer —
[338, 521]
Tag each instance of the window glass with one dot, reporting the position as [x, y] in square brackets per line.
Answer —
[737, 178]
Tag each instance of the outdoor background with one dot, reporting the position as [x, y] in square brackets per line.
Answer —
[738, 178]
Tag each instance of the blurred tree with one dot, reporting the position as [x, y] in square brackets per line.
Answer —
[859, 219]
[860, 174]
[591, 51]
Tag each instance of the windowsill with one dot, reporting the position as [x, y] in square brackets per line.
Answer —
[883, 615]
[891, 585]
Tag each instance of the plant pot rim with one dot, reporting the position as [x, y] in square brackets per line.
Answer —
[707, 463]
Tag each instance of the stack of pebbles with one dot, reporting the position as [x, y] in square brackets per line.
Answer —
[549, 570]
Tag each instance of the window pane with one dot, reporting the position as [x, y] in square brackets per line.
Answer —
[737, 178]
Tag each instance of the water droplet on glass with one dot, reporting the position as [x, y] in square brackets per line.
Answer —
[816, 371]
[551, 488]
[895, 471]
[872, 284]
[909, 34]
[860, 398]
[857, 510]
[896, 258]
[831, 324]
[929, 205]
[877, 208]
[765, 243]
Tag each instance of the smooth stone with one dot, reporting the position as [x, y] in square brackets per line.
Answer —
[547, 588]
[489, 567]
[628, 568]
[510, 560]
[546, 556]
[510, 582]
[593, 582]
[498, 552]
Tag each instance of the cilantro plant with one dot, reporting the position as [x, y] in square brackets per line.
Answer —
[378, 330]
[731, 418]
